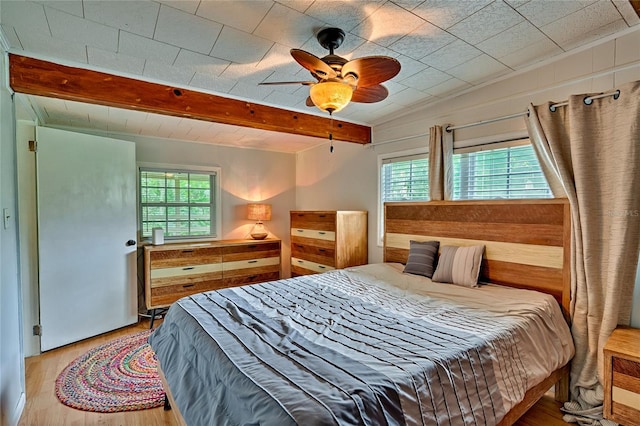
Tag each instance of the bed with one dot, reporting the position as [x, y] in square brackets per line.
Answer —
[373, 345]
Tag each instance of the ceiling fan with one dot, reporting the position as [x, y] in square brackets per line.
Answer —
[340, 81]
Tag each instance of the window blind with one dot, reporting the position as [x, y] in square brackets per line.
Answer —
[498, 172]
[405, 178]
[180, 202]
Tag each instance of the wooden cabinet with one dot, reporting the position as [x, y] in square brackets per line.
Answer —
[173, 271]
[622, 376]
[326, 240]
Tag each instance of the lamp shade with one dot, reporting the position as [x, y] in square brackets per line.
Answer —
[259, 212]
[331, 96]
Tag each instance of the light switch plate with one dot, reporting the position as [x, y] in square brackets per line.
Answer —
[6, 216]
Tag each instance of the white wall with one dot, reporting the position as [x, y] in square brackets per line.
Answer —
[596, 68]
[248, 175]
[12, 383]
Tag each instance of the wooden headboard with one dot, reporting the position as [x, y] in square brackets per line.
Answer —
[527, 241]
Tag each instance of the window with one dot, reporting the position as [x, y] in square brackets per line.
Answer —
[184, 203]
[504, 170]
[405, 178]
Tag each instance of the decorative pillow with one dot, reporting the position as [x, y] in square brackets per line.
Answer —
[459, 265]
[422, 257]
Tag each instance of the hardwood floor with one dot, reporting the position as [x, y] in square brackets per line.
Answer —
[43, 408]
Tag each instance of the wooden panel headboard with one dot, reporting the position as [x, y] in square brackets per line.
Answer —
[527, 241]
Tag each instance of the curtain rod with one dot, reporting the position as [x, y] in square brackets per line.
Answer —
[588, 100]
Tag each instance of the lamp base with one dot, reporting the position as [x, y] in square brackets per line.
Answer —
[259, 232]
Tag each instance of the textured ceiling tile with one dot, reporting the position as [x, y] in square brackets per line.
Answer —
[344, 15]
[517, 3]
[279, 60]
[11, 36]
[300, 28]
[70, 27]
[286, 88]
[197, 62]
[448, 88]
[142, 47]
[535, 52]
[370, 49]
[115, 61]
[574, 30]
[387, 24]
[519, 36]
[478, 69]
[168, 74]
[212, 83]
[425, 39]
[543, 12]
[186, 30]
[250, 91]
[408, 68]
[247, 72]
[408, 4]
[426, 78]
[25, 16]
[451, 55]
[43, 44]
[408, 97]
[73, 7]
[486, 23]
[243, 15]
[351, 42]
[138, 17]
[189, 6]
[628, 13]
[445, 13]
[299, 5]
[238, 46]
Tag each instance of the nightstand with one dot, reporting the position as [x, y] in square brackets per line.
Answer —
[622, 376]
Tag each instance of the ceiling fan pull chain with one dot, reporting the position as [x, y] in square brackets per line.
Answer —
[331, 132]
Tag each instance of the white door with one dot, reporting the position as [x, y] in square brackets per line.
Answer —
[86, 218]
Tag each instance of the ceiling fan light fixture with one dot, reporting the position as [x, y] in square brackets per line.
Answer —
[331, 96]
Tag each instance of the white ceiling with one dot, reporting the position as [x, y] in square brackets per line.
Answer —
[228, 47]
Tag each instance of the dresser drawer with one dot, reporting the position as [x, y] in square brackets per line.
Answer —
[309, 265]
[250, 251]
[184, 257]
[314, 234]
[164, 295]
[321, 221]
[251, 277]
[625, 388]
[322, 255]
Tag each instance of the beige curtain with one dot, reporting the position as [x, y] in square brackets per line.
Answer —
[594, 153]
[440, 163]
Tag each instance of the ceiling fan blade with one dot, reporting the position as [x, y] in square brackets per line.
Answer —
[313, 64]
[370, 94]
[372, 70]
[273, 83]
[309, 102]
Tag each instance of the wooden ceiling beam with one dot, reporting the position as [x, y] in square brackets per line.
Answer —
[636, 6]
[37, 77]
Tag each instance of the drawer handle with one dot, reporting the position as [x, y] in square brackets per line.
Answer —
[252, 246]
[188, 285]
[300, 261]
[321, 233]
[188, 268]
[252, 261]
[323, 250]
[321, 267]
[322, 215]
[300, 214]
[252, 277]
[187, 251]
[300, 230]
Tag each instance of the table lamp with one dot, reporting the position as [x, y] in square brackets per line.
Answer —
[259, 213]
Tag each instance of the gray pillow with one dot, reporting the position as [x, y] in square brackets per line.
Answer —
[422, 257]
[459, 265]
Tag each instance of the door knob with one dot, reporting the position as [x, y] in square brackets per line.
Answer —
[130, 243]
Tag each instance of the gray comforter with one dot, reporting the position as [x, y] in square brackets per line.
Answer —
[348, 348]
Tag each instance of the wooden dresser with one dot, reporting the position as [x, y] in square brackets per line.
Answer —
[622, 376]
[326, 240]
[173, 271]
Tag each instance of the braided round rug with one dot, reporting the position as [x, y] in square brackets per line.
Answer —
[120, 375]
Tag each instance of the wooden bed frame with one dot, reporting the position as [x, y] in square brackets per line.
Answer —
[527, 245]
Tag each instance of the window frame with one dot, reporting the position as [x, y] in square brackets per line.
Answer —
[381, 161]
[182, 168]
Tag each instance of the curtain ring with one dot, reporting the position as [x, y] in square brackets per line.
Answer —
[587, 100]
[552, 108]
[617, 94]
